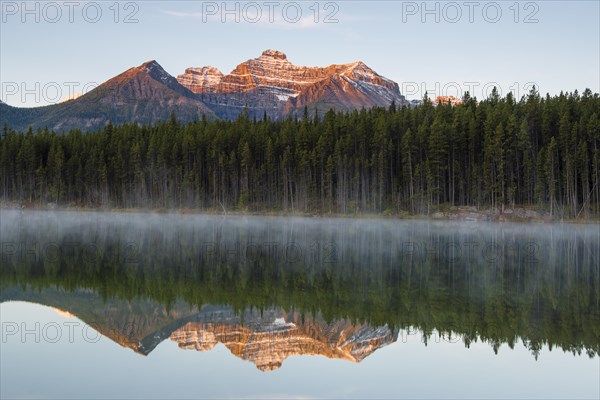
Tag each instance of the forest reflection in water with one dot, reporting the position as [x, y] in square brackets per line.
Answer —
[270, 287]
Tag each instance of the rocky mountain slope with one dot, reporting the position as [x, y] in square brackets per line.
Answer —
[146, 94]
[272, 84]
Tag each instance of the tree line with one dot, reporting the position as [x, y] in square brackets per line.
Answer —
[499, 152]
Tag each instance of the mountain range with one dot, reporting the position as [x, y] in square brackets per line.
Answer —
[264, 337]
[267, 85]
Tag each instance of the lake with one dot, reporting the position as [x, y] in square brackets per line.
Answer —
[122, 305]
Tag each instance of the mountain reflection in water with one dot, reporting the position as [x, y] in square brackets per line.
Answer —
[268, 288]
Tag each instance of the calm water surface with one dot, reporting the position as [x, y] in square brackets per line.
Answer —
[98, 305]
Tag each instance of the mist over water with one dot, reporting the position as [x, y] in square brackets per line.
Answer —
[39, 233]
[268, 288]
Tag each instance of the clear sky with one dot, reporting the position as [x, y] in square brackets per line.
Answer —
[441, 47]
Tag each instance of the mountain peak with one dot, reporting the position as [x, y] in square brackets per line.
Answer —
[150, 63]
[157, 72]
[273, 54]
[141, 82]
[207, 70]
[151, 66]
[211, 69]
[205, 79]
[359, 66]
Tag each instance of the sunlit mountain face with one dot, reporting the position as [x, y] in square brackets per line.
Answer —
[268, 337]
[268, 288]
[271, 84]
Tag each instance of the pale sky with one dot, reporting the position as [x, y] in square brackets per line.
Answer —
[471, 46]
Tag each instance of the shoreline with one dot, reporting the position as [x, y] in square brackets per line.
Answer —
[523, 214]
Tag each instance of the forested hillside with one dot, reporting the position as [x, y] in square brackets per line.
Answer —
[542, 151]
